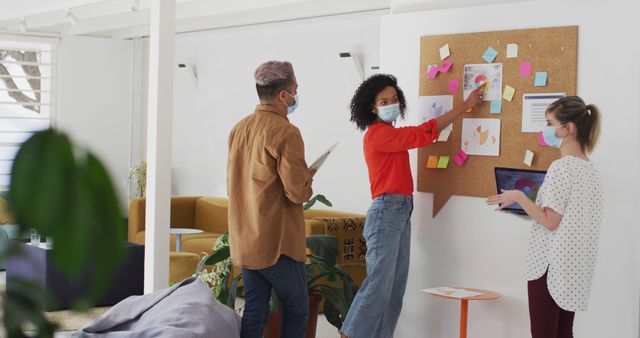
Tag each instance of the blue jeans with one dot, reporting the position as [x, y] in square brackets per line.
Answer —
[288, 278]
[375, 309]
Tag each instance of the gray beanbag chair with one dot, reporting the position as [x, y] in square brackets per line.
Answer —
[185, 310]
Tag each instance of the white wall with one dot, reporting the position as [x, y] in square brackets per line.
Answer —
[95, 101]
[225, 61]
[470, 245]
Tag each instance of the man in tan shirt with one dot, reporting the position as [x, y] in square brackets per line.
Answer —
[268, 181]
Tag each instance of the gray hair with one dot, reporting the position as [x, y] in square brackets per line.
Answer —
[273, 71]
[273, 76]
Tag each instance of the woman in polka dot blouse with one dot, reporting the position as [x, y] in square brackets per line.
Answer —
[567, 214]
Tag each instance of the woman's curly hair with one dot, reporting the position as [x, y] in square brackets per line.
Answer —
[363, 101]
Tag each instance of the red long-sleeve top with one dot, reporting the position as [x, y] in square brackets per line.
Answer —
[386, 151]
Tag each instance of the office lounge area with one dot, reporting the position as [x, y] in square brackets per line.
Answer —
[133, 90]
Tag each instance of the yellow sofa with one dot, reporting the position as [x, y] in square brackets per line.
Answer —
[352, 247]
[208, 214]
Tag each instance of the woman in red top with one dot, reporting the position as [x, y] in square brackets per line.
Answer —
[375, 107]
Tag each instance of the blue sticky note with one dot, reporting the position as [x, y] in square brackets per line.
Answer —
[541, 79]
[496, 107]
[490, 55]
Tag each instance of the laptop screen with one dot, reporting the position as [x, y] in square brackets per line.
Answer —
[525, 180]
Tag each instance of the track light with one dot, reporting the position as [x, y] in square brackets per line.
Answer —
[135, 5]
[22, 25]
[72, 18]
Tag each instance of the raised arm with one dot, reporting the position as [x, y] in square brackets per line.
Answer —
[473, 100]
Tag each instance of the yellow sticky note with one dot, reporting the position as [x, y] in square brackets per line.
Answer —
[432, 162]
[508, 93]
[444, 135]
[468, 110]
[444, 52]
[528, 157]
[443, 162]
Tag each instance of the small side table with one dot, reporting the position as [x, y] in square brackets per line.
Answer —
[464, 305]
[183, 231]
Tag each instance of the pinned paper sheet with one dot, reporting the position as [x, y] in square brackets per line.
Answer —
[525, 69]
[453, 86]
[512, 50]
[508, 93]
[433, 71]
[528, 157]
[541, 79]
[446, 66]
[432, 162]
[460, 157]
[444, 52]
[444, 135]
[496, 107]
[490, 55]
[443, 162]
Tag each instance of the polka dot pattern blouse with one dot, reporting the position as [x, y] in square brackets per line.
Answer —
[572, 188]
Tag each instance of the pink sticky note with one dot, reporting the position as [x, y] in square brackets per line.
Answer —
[446, 65]
[433, 72]
[453, 86]
[525, 69]
[541, 141]
[460, 157]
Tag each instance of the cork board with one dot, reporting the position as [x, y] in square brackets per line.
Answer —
[553, 50]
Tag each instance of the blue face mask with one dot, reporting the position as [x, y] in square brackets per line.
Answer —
[292, 108]
[550, 138]
[389, 113]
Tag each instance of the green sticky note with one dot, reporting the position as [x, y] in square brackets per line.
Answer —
[443, 162]
[508, 93]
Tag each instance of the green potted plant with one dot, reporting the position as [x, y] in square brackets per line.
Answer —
[62, 190]
[138, 176]
[325, 280]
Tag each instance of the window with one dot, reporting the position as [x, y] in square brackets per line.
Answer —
[26, 78]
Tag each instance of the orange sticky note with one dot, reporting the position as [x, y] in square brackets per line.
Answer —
[432, 162]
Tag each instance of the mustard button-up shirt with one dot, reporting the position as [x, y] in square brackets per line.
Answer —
[268, 181]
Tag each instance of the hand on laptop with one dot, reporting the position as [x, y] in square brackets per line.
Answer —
[505, 199]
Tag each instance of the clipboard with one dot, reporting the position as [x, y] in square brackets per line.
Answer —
[320, 160]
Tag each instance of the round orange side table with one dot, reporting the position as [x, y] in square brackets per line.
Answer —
[464, 305]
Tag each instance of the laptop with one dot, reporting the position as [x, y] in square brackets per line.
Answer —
[525, 180]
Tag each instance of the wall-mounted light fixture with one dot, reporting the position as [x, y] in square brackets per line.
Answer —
[72, 18]
[351, 58]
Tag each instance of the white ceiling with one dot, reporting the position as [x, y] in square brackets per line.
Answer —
[115, 18]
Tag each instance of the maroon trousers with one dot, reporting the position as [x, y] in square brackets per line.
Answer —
[548, 320]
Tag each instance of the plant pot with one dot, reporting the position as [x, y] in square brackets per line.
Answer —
[272, 330]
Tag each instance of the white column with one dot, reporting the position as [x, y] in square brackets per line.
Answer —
[161, 68]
